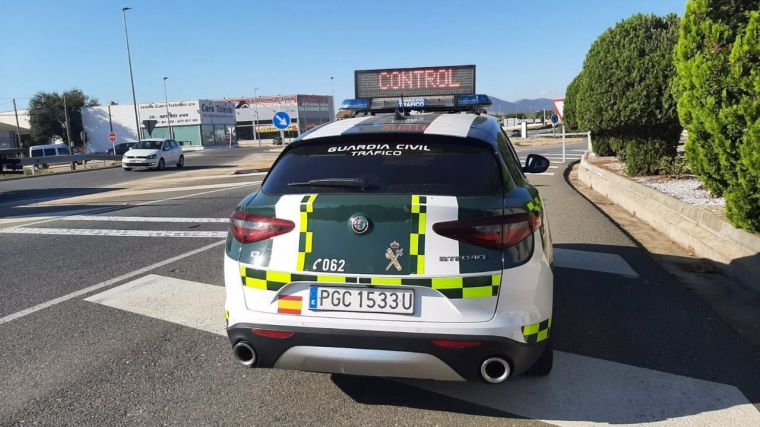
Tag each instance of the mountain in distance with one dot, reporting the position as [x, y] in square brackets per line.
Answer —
[519, 106]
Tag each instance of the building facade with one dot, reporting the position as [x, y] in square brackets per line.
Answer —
[194, 123]
[305, 111]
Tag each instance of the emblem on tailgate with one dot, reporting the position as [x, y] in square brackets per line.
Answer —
[359, 224]
[394, 256]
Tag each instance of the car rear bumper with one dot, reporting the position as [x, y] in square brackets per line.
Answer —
[387, 354]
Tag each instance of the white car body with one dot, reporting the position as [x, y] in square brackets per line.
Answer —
[167, 153]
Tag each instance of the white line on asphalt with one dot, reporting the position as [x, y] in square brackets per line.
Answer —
[553, 167]
[106, 283]
[544, 173]
[593, 261]
[113, 233]
[580, 390]
[193, 304]
[149, 202]
[143, 219]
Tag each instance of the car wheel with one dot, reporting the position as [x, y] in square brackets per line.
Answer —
[161, 164]
[127, 169]
[181, 162]
[544, 363]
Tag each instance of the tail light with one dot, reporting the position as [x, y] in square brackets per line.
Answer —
[247, 228]
[496, 232]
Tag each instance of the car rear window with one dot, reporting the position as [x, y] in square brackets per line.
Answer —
[417, 164]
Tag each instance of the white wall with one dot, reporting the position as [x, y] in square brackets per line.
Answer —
[95, 121]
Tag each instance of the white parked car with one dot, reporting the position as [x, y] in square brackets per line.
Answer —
[153, 153]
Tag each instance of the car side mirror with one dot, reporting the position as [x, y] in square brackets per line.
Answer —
[535, 164]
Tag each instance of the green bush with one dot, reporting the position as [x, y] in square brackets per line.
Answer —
[648, 157]
[716, 86]
[623, 93]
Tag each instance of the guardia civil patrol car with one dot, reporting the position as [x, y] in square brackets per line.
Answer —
[397, 245]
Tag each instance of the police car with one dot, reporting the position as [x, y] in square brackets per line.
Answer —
[395, 245]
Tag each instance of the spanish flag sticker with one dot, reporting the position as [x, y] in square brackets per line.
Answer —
[289, 304]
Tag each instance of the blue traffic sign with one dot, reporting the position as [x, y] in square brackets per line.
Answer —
[281, 120]
[555, 119]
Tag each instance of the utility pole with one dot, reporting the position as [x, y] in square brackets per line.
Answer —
[131, 78]
[168, 117]
[18, 128]
[68, 127]
[256, 121]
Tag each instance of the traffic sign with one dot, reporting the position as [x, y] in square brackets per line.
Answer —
[555, 119]
[150, 125]
[281, 120]
[112, 137]
[559, 107]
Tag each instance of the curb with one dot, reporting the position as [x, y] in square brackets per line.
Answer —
[708, 235]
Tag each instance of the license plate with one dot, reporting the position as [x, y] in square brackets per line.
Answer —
[363, 300]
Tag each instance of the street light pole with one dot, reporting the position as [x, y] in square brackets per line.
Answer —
[131, 78]
[256, 119]
[168, 117]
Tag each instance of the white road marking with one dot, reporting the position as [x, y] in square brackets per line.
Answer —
[583, 391]
[129, 192]
[580, 390]
[105, 284]
[143, 219]
[193, 304]
[149, 202]
[593, 261]
[113, 233]
[544, 173]
[553, 167]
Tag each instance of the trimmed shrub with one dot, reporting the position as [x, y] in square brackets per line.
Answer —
[623, 94]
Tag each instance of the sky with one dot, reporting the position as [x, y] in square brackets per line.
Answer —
[218, 49]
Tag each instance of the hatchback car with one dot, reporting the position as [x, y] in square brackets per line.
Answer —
[153, 153]
[394, 246]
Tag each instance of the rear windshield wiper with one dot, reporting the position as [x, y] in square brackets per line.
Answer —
[333, 182]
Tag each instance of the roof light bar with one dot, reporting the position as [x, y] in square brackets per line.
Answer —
[473, 100]
[355, 104]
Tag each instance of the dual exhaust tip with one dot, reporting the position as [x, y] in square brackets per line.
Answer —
[495, 370]
[245, 354]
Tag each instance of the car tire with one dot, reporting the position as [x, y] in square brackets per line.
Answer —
[181, 162]
[127, 169]
[161, 164]
[543, 365]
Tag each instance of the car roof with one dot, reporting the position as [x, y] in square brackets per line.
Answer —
[462, 125]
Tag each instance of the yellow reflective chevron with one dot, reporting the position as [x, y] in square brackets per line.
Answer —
[418, 223]
[469, 287]
[537, 332]
[306, 234]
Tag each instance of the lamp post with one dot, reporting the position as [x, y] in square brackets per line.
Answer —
[131, 78]
[256, 119]
[168, 116]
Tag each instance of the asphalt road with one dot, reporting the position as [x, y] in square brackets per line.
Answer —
[633, 345]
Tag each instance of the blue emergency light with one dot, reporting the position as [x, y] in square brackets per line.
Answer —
[421, 103]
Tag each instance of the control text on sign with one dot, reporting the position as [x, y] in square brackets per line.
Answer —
[450, 80]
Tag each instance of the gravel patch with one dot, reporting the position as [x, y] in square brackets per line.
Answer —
[686, 189]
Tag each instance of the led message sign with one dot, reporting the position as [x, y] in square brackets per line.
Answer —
[423, 81]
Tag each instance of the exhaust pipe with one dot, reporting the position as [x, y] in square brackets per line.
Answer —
[244, 353]
[495, 370]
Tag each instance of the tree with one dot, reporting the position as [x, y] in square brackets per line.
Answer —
[571, 101]
[623, 94]
[708, 31]
[47, 119]
[742, 121]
